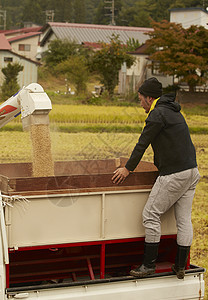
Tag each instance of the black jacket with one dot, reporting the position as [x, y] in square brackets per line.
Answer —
[167, 132]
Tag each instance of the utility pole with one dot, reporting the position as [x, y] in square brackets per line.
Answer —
[112, 10]
[49, 16]
[3, 19]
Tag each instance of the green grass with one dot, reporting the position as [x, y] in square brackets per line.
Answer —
[96, 128]
[201, 110]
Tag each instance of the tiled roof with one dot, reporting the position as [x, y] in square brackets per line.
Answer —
[4, 44]
[21, 30]
[97, 26]
[23, 36]
[188, 9]
[92, 45]
[93, 33]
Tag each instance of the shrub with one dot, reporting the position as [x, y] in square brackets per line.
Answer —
[10, 85]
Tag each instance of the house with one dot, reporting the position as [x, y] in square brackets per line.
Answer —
[189, 16]
[130, 79]
[89, 33]
[26, 44]
[30, 71]
[24, 41]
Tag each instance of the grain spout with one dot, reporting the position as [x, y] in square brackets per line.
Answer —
[43, 164]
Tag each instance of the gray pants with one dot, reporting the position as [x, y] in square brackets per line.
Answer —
[175, 189]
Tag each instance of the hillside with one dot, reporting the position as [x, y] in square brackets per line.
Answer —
[127, 12]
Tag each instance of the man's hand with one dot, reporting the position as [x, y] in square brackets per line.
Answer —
[120, 175]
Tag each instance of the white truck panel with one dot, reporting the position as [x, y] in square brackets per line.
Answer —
[157, 288]
[52, 219]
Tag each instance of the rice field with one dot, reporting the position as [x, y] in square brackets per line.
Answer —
[95, 114]
[96, 119]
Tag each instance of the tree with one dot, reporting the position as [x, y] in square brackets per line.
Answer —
[139, 12]
[132, 44]
[10, 85]
[79, 11]
[76, 70]
[180, 52]
[103, 12]
[58, 51]
[61, 50]
[108, 61]
[100, 15]
[91, 7]
[63, 10]
[135, 15]
[127, 12]
[33, 12]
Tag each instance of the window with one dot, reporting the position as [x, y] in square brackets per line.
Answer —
[155, 69]
[24, 47]
[8, 59]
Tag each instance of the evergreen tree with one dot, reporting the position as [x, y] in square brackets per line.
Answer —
[10, 85]
[127, 12]
[79, 11]
[100, 15]
[91, 6]
[64, 11]
[33, 12]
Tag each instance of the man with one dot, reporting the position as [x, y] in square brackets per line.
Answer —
[175, 157]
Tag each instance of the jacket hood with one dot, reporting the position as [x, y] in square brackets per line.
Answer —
[168, 101]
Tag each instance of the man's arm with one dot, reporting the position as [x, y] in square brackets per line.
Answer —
[154, 124]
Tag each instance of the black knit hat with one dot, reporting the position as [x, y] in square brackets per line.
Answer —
[151, 87]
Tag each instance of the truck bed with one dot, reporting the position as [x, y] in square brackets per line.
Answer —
[77, 235]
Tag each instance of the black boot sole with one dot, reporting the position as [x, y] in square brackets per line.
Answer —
[141, 274]
[179, 273]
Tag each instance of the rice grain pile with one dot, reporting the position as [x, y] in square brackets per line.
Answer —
[43, 164]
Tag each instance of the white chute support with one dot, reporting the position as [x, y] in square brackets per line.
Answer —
[32, 102]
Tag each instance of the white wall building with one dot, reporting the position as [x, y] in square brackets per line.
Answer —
[30, 67]
[26, 44]
[189, 16]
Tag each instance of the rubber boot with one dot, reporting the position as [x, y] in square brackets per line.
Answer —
[148, 265]
[181, 261]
